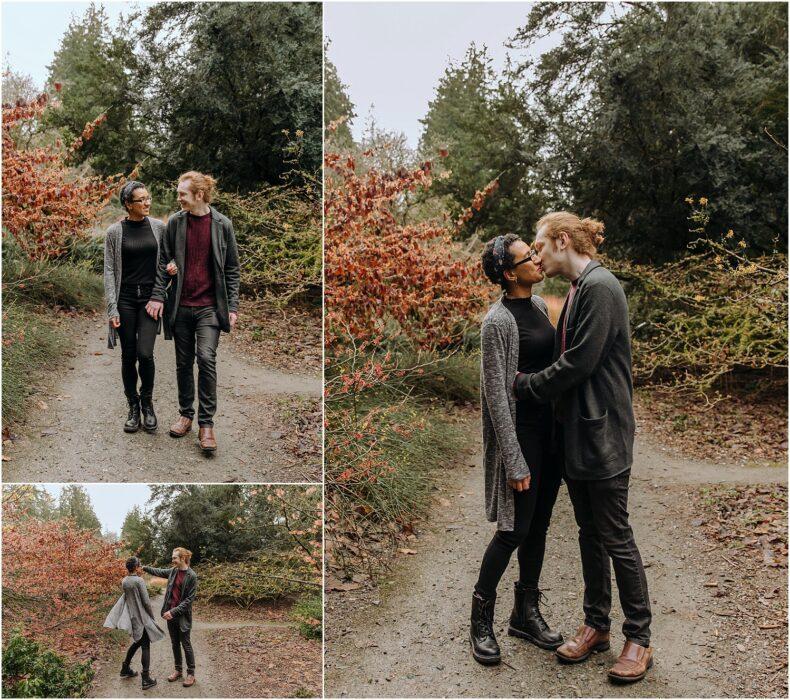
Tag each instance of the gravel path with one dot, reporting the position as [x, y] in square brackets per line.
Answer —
[409, 637]
[75, 433]
[213, 680]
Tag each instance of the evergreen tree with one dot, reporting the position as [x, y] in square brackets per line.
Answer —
[75, 503]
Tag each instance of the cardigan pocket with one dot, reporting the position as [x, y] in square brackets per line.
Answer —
[595, 445]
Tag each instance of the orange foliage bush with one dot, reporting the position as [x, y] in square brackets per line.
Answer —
[58, 582]
[46, 205]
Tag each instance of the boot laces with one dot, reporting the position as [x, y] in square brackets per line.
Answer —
[485, 626]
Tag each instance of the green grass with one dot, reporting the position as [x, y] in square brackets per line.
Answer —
[308, 613]
[33, 339]
[31, 343]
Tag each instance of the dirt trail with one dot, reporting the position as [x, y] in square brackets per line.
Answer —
[409, 638]
[212, 680]
[79, 435]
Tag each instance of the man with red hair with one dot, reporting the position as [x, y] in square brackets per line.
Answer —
[203, 301]
[177, 610]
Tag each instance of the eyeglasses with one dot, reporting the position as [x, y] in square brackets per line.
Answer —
[533, 256]
[140, 201]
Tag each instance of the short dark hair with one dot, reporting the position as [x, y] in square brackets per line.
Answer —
[490, 267]
[125, 193]
[131, 564]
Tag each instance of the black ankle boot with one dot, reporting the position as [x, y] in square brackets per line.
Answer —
[147, 681]
[132, 424]
[126, 671]
[526, 621]
[149, 417]
[485, 649]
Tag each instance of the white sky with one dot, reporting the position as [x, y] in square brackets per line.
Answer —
[392, 54]
[32, 31]
[111, 502]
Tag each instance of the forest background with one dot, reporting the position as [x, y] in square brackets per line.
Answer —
[668, 121]
[232, 89]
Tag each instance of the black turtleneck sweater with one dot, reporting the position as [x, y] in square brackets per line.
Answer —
[138, 253]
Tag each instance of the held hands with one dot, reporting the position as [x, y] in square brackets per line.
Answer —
[115, 321]
[154, 309]
[172, 268]
[168, 615]
[519, 484]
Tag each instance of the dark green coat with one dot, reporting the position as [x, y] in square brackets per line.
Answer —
[590, 384]
[183, 611]
[225, 258]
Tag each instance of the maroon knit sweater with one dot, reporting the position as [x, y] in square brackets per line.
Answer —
[198, 286]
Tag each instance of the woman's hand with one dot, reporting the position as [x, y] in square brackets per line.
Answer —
[172, 268]
[115, 321]
[519, 484]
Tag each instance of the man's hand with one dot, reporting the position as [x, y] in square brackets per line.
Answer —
[168, 615]
[233, 318]
[115, 321]
[519, 484]
[172, 268]
[154, 309]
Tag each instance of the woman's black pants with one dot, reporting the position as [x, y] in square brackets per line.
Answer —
[533, 507]
[137, 334]
[143, 643]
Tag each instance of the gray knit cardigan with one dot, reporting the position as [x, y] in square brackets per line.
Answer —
[112, 261]
[133, 612]
[502, 457]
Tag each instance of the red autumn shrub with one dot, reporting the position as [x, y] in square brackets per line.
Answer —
[46, 204]
[58, 581]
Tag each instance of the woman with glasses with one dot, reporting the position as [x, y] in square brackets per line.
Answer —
[522, 474]
[131, 259]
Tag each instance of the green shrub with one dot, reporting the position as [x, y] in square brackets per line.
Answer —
[265, 577]
[308, 612]
[278, 230]
[49, 283]
[88, 254]
[32, 671]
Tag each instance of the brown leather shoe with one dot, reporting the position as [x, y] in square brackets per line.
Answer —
[181, 427]
[208, 443]
[174, 676]
[582, 644]
[633, 663]
[189, 680]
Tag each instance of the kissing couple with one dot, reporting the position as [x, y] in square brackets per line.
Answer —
[558, 404]
[183, 275]
[133, 614]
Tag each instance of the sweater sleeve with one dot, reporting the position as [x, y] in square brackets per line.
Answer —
[494, 358]
[109, 274]
[593, 334]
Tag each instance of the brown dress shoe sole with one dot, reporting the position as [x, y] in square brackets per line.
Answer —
[623, 680]
[603, 646]
[178, 435]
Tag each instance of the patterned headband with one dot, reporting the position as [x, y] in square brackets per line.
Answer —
[499, 255]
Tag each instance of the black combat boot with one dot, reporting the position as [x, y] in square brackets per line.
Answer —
[132, 424]
[526, 621]
[147, 681]
[149, 417]
[126, 671]
[485, 649]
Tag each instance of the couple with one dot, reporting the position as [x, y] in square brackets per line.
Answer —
[557, 404]
[183, 275]
[133, 614]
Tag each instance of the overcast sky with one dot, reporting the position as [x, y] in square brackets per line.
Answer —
[32, 31]
[392, 54]
[111, 502]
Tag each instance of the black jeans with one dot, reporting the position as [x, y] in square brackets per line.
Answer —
[180, 639]
[144, 643]
[533, 508]
[137, 334]
[601, 510]
[196, 333]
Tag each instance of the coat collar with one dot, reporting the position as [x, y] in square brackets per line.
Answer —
[587, 270]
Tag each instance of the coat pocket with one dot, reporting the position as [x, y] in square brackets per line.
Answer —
[595, 445]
